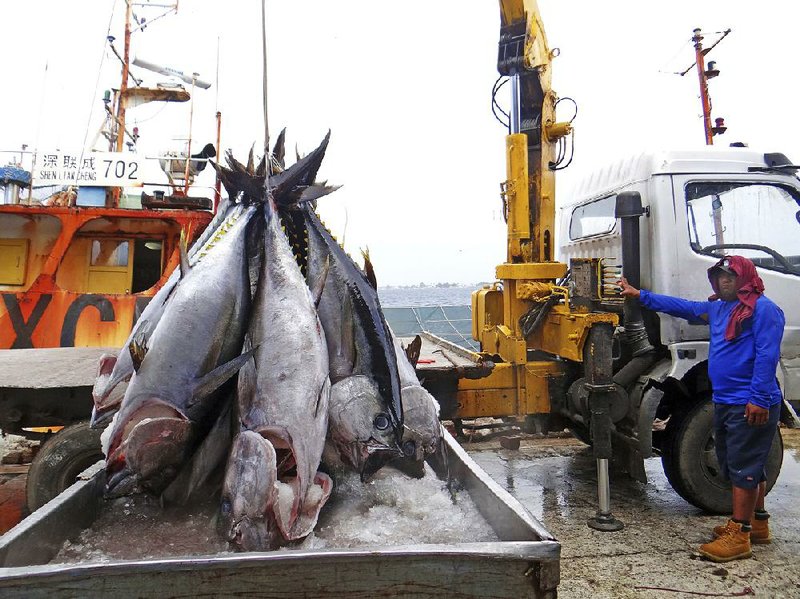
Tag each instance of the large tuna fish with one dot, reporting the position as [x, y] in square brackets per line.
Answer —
[422, 436]
[366, 411]
[272, 491]
[116, 368]
[195, 346]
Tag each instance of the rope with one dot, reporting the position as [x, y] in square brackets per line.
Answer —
[264, 76]
[424, 324]
[96, 87]
[744, 592]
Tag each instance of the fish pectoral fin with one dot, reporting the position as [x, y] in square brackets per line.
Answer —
[323, 397]
[369, 271]
[211, 381]
[319, 284]
[210, 454]
[247, 384]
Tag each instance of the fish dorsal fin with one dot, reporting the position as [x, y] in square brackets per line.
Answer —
[319, 284]
[368, 270]
[184, 253]
[210, 382]
[413, 351]
[138, 350]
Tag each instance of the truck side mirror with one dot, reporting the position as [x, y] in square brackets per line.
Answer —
[629, 205]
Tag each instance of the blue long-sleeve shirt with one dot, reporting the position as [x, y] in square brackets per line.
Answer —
[741, 370]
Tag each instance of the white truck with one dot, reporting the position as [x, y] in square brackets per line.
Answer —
[696, 205]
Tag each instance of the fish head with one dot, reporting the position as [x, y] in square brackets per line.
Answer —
[360, 426]
[107, 394]
[149, 445]
[422, 429]
[248, 494]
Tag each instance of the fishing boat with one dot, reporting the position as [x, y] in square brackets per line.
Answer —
[87, 237]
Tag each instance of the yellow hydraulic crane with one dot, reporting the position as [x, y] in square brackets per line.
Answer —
[539, 339]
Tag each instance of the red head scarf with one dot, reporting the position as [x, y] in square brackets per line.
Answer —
[749, 285]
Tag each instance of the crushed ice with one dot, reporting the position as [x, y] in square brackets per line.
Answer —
[391, 510]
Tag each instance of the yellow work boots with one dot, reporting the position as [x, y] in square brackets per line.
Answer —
[731, 544]
[760, 534]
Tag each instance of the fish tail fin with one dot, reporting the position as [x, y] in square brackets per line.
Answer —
[251, 162]
[279, 153]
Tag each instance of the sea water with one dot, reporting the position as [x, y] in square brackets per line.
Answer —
[404, 297]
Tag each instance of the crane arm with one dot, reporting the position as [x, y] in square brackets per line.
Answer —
[525, 57]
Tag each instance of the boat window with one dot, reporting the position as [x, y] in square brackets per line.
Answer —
[594, 218]
[109, 252]
[147, 260]
[109, 268]
[755, 220]
[13, 260]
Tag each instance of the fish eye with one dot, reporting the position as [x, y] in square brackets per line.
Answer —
[409, 448]
[381, 422]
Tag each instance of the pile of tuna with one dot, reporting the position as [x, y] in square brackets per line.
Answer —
[266, 349]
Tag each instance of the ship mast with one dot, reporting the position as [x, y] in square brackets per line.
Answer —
[123, 92]
[123, 88]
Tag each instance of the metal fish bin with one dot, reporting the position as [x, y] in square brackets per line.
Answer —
[523, 563]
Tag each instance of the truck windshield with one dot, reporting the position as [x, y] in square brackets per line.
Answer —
[758, 220]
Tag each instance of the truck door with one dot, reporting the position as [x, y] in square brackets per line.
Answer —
[756, 216]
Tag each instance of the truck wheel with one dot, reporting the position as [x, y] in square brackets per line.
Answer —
[59, 462]
[690, 461]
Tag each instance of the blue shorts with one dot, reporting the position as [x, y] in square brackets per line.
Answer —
[742, 449]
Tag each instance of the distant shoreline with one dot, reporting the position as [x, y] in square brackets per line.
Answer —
[435, 286]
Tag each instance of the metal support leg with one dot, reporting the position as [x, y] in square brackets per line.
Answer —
[598, 365]
[604, 520]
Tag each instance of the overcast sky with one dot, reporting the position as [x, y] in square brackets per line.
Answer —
[405, 88]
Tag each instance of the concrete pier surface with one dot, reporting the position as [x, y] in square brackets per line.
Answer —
[655, 555]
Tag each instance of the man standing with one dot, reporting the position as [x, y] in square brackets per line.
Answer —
[746, 330]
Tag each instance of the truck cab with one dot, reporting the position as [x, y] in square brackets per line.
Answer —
[697, 206]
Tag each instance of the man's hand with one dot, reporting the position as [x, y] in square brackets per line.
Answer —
[756, 415]
[628, 290]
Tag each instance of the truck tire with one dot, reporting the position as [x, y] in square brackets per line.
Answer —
[690, 462]
[60, 460]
